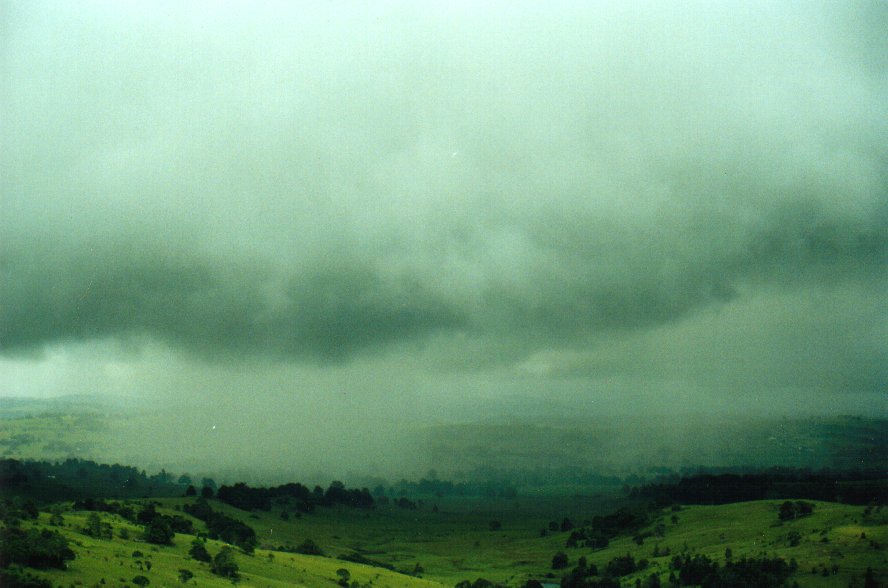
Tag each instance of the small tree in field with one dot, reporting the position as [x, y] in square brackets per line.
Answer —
[159, 532]
[224, 564]
[199, 551]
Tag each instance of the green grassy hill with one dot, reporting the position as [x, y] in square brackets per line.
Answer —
[117, 561]
[456, 543]
[834, 535]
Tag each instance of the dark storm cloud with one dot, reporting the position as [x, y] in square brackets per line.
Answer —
[331, 311]
[298, 183]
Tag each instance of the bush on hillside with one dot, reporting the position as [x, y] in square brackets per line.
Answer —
[35, 549]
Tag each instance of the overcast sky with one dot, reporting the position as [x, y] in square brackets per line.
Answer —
[364, 209]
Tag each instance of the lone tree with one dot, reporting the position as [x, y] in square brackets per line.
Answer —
[159, 532]
[224, 564]
[199, 551]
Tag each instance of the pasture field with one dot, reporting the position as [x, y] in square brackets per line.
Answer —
[833, 547]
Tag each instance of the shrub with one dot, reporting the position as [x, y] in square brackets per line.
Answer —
[621, 566]
[559, 561]
[33, 548]
[794, 510]
[15, 577]
[309, 547]
[199, 551]
[159, 531]
[93, 526]
[224, 564]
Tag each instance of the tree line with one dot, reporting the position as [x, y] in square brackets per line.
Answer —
[855, 487]
[242, 496]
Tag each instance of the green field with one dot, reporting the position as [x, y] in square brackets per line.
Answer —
[456, 543]
[448, 539]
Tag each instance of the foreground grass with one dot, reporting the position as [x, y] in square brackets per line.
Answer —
[117, 561]
[455, 543]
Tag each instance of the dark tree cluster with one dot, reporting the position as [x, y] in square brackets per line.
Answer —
[35, 549]
[79, 479]
[224, 564]
[242, 496]
[761, 572]
[93, 504]
[14, 510]
[16, 577]
[358, 558]
[97, 528]
[597, 535]
[499, 488]
[479, 583]
[198, 551]
[405, 503]
[223, 527]
[857, 487]
[161, 529]
[794, 510]
[584, 575]
[624, 565]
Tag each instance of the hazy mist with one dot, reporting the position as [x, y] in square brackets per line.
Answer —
[325, 228]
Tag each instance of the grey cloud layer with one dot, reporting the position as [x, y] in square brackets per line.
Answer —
[328, 183]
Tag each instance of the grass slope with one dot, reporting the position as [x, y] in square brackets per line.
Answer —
[113, 561]
[835, 534]
[456, 543]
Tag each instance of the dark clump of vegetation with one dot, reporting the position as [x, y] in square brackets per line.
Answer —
[794, 510]
[597, 535]
[79, 479]
[97, 528]
[479, 583]
[198, 551]
[99, 505]
[622, 565]
[244, 497]
[559, 561]
[16, 577]
[754, 573]
[854, 487]
[35, 549]
[579, 576]
[405, 503]
[159, 532]
[223, 527]
[432, 486]
[309, 547]
[224, 564]
[761, 572]
[360, 559]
